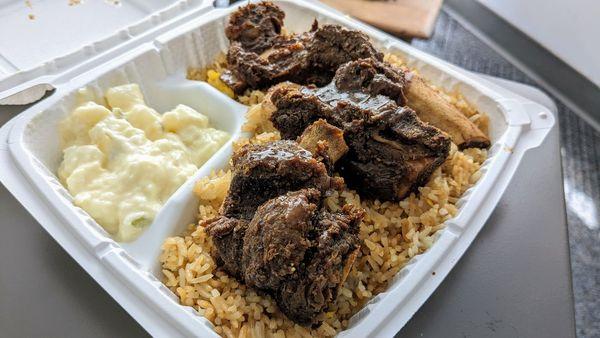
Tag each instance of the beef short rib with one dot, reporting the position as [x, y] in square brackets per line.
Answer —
[255, 26]
[392, 152]
[260, 56]
[275, 235]
[299, 252]
[261, 172]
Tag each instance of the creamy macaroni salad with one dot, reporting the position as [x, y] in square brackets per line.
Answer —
[121, 162]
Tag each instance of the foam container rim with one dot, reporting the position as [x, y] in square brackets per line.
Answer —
[128, 272]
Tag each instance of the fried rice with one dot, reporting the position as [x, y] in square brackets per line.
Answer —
[391, 234]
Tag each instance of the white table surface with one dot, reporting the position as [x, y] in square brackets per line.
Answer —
[569, 29]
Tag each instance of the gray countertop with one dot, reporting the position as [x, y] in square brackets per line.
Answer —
[513, 281]
[579, 142]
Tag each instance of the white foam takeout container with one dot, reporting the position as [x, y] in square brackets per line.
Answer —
[155, 53]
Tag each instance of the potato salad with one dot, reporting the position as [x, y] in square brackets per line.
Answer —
[122, 160]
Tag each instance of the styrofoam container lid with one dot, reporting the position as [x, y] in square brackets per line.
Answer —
[41, 39]
[157, 59]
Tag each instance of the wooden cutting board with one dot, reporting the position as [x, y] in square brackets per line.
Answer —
[407, 18]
